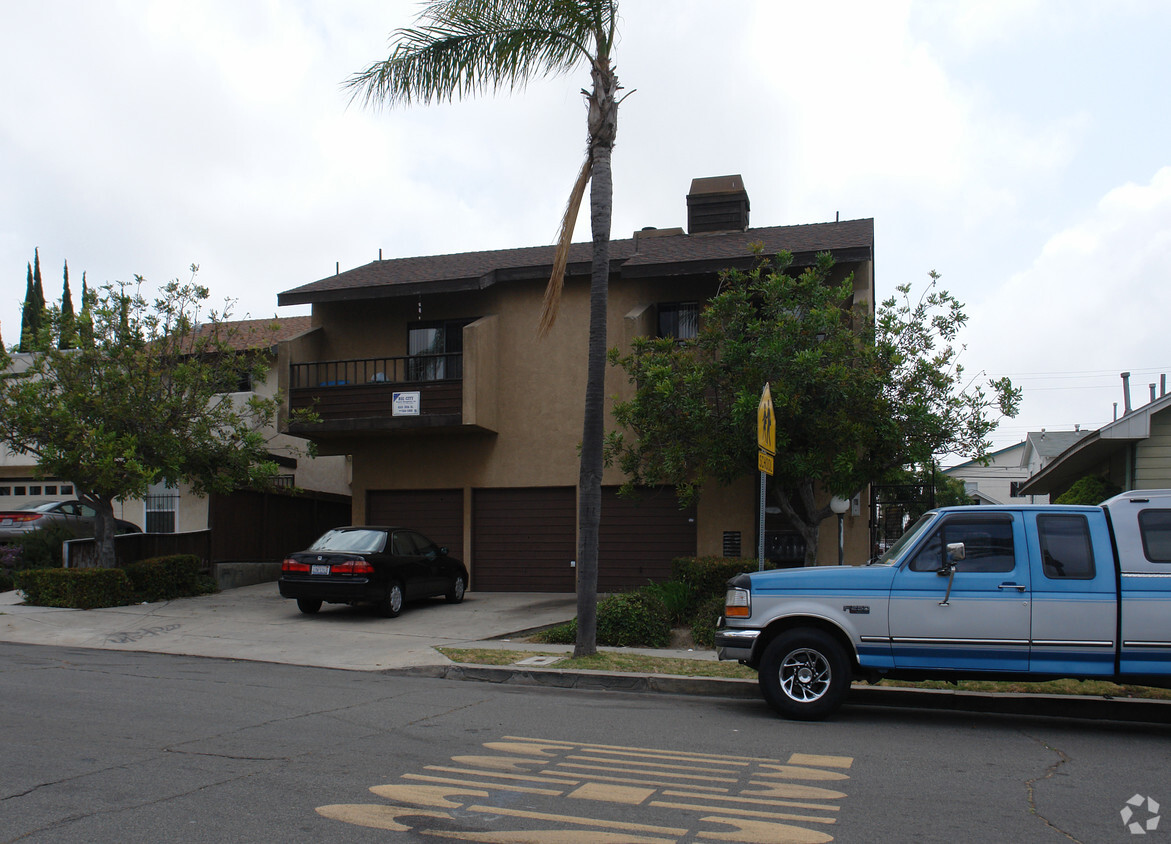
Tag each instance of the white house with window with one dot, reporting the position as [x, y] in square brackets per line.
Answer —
[176, 509]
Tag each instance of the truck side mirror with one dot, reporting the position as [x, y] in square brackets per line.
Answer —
[955, 553]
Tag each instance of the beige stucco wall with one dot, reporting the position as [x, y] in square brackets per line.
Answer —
[523, 396]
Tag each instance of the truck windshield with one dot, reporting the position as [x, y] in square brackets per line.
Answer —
[892, 553]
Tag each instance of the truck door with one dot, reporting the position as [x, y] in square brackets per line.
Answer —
[982, 624]
[1075, 610]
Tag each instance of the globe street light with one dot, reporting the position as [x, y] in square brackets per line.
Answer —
[840, 505]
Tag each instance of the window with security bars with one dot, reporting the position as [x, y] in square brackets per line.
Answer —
[162, 507]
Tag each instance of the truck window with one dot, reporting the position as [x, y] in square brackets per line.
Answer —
[987, 544]
[1066, 551]
[1155, 528]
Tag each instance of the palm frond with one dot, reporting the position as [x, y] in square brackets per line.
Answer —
[463, 47]
[551, 304]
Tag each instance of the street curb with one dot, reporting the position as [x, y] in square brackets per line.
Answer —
[1129, 710]
[589, 680]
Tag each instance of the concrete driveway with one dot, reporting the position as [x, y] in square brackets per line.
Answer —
[255, 623]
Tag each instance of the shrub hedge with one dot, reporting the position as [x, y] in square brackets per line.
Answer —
[708, 576]
[634, 619]
[166, 578]
[694, 598]
[156, 579]
[82, 589]
[41, 548]
[6, 584]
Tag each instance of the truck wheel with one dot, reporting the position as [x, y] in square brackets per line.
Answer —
[804, 674]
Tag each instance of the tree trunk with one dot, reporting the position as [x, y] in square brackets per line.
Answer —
[104, 532]
[603, 127]
[807, 527]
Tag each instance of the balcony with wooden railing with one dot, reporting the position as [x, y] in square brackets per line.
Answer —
[378, 394]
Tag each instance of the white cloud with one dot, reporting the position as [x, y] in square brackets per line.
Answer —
[1093, 301]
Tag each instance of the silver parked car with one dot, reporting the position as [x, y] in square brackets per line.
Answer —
[78, 516]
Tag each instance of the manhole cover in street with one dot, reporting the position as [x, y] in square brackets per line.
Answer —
[539, 660]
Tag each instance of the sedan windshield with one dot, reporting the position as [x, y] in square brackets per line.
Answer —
[360, 541]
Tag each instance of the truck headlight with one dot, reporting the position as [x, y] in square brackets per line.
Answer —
[737, 603]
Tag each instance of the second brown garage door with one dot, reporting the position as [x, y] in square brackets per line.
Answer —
[523, 539]
[640, 537]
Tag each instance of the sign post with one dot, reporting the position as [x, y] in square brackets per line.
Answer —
[766, 441]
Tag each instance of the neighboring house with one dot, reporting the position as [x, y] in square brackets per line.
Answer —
[460, 422]
[1133, 452]
[170, 510]
[19, 483]
[998, 480]
[173, 510]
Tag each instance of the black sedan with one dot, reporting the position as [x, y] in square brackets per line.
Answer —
[384, 566]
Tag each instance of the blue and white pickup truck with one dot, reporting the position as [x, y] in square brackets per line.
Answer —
[1004, 592]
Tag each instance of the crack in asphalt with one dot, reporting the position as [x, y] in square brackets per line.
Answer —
[1051, 771]
[80, 816]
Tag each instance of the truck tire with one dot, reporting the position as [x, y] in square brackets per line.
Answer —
[805, 674]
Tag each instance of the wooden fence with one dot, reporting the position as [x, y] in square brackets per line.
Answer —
[242, 527]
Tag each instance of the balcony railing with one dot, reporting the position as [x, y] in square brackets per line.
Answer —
[396, 370]
[353, 396]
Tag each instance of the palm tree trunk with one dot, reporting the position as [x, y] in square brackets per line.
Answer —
[603, 128]
[590, 479]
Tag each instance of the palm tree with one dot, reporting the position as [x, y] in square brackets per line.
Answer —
[463, 47]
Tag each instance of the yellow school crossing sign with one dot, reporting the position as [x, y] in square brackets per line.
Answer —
[766, 432]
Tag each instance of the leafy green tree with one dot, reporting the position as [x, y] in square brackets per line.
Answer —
[1091, 489]
[466, 47]
[148, 401]
[854, 397]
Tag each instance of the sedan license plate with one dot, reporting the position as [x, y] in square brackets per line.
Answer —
[319, 569]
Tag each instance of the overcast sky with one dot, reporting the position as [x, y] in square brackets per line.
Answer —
[1019, 147]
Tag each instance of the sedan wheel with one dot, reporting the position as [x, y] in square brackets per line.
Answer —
[308, 605]
[392, 604]
[455, 593]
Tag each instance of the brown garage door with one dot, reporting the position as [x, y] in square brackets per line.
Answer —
[640, 537]
[438, 514]
[523, 540]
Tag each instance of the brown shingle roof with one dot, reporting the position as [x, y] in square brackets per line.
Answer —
[245, 334]
[655, 253]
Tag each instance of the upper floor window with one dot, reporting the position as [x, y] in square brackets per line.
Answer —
[679, 320]
[436, 349]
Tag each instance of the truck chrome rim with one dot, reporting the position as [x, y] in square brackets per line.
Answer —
[805, 675]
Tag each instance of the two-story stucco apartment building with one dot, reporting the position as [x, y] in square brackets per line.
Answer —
[429, 373]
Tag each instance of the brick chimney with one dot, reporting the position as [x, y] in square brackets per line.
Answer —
[717, 204]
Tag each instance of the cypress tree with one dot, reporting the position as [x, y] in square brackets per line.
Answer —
[27, 316]
[85, 322]
[40, 341]
[67, 338]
